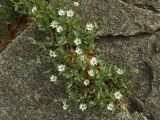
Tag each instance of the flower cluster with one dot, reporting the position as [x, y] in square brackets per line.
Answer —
[88, 79]
[69, 13]
[55, 24]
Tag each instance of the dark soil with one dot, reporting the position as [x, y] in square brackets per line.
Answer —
[14, 28]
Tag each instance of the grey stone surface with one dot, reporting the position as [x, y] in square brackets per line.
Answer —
[123, 116]
[138, 51]
[123, 17]
[131, 39]
[139, 116]
[25, 90]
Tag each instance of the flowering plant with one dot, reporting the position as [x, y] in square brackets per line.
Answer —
[89, 80]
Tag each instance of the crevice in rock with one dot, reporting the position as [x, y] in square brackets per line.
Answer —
[150, 116]
[125, 1]
[146, 7]
[135, 104]
[142, 6]
[139, 34]
[125, 36]
[148, 74]
[156, 47]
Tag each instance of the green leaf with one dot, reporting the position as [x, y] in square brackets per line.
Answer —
[69, 84]
[98, 95]
[61, 41]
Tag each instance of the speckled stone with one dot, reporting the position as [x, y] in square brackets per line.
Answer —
[122, 17]
[25, 90]
[131, 31]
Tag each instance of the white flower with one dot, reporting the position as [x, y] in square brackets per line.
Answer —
[110, 106]
[52, 54]
[34, 9]
[61, 12]
[118, 95]
[59, 29]
[76, 4]
[83, 107]
[61, 68]
[89, 26]
[54, 24]
[65, 106]
[70, 13]
[53, 78]
[78, 51]
[120, 71]
[93, 61]
[86, 82]
[91, 73]
[77, 41]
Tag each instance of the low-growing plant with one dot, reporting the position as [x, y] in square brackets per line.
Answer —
[89, 80]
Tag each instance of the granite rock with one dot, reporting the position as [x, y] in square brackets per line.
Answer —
[137, 52]
[122, 17]
[25, 90]
[130, 39]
